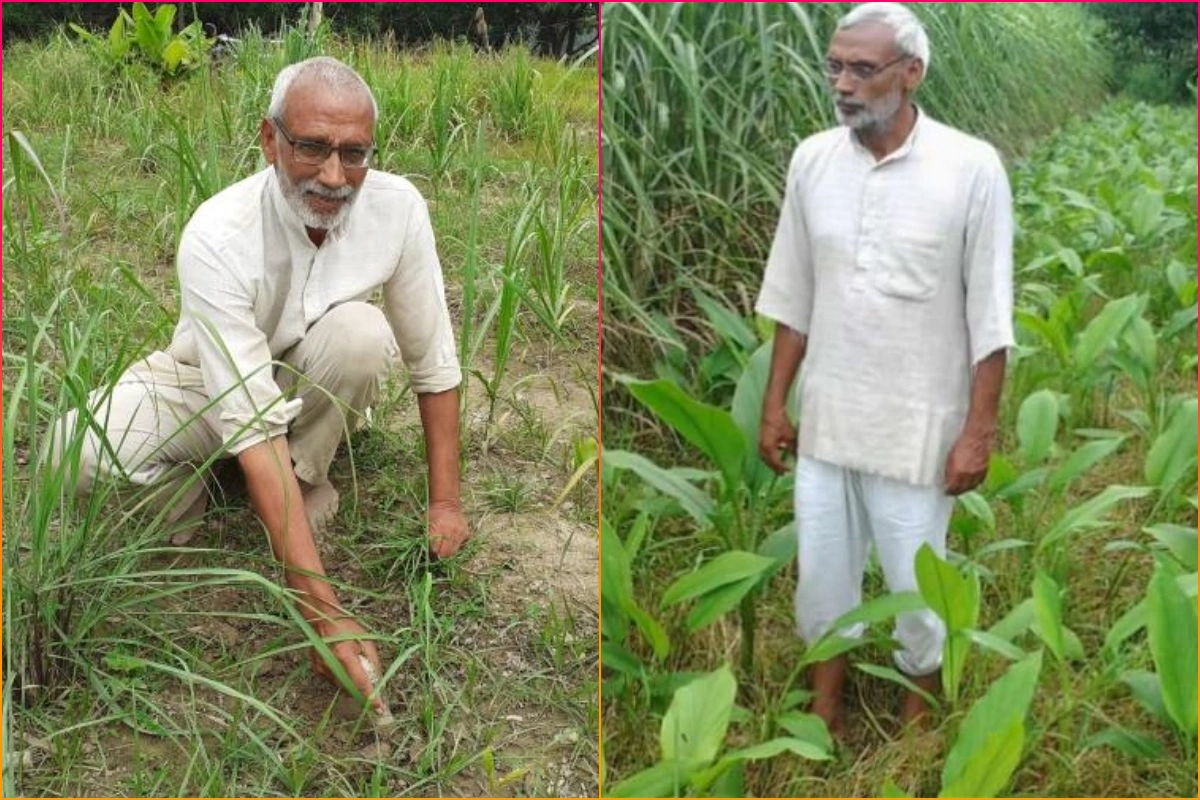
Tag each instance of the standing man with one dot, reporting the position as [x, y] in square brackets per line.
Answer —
[278, 353]
[890, 278]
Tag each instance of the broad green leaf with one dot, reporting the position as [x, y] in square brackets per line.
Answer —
[829, 646]
[1102, 332]
[987, 772]
[697, 504]
[1047, 606]
[616, 593]
[712, 606]
[1024, 483]
[879, 609]
[709, 428]
[1091, 513]
[1081, 460]
[1134, 744]
[1126, 625]
[728, 324]
[173, 55]
[1004, 703]
[1173, 454]
[730, 567]
[890, 789]
[1171, 626]
[1001, 473]
[954, 663]
[952, 597]
[1179, 539]
[1148, 692]
[1145, 212]
[694, 726]
[774, 747]
[1000, 546]
[896, 677]
[978, 507]
[781, 544]
[1037, 422]
[747, 412]
[651, 629]
[615, 657]
[996, 644]
[808, 727]
[732, 782]
[758, 752]
[1139, 340]
[665, 779]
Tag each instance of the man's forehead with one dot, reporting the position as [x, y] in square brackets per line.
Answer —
[307, 94]
[865, 41]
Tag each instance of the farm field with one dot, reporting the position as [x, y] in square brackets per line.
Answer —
[136, 668]
[1070, 585]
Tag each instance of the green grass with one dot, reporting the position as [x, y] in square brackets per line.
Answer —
[136, 668]
[1106, 208]
[703, 104]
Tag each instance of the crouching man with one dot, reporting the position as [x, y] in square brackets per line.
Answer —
[277, 351]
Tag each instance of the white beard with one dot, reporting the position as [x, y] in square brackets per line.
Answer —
[294, 193]
[871, 118]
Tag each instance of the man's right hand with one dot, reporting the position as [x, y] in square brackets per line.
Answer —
[348, 652]
[777, 435]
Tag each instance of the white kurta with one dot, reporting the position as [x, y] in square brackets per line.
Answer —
[900, 273]
[253, 283]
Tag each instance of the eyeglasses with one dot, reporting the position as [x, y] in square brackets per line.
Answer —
[315, 153]
[858, 70]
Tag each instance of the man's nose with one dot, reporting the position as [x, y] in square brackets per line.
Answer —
[332, 174]
[844, 85]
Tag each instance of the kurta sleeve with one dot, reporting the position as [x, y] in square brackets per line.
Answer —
[987, 263]
[414, 301]
[786, 295]
[234, 356]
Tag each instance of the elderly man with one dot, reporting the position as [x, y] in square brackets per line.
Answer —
[277, 351]
[890, 278]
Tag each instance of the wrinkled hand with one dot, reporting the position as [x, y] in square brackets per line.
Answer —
[776, 435]
[967, 464]
[347, 653]
[448, 530]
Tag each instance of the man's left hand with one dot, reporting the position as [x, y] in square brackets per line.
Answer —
[448, 530]
[967, 464]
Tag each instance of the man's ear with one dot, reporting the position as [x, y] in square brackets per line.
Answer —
[914, 74]
[266, 138]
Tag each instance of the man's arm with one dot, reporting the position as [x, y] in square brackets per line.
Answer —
[439, 420]
[276, 499]
[967, 464]
[776, 433]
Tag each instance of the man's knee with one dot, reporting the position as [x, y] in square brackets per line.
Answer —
[353, 342]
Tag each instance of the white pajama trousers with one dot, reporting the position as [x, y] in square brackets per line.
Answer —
[839, 513]
[159, 425]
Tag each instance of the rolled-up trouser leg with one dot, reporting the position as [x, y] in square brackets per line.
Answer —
[903, 517]
[154, 428]
[833, 541]
[341, 360]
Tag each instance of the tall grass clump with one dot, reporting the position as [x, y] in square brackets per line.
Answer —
[704, 102]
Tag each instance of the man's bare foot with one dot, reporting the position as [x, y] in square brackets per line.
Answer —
[913, 708]
[186, 517]
[827, 679]
[320, 504]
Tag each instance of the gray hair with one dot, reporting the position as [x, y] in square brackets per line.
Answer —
[325, 70]
[911, 39]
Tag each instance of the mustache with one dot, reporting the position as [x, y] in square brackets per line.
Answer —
[313, 186]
